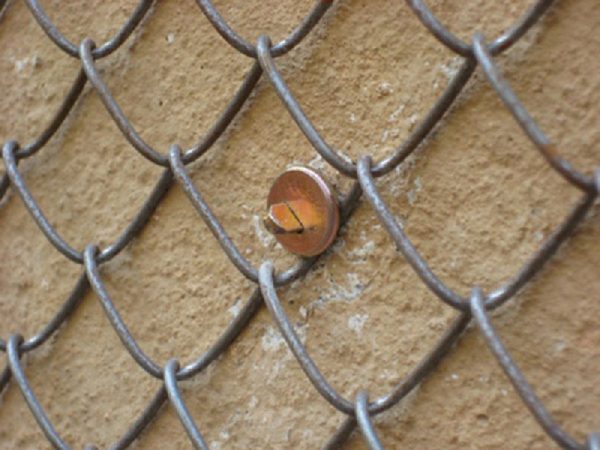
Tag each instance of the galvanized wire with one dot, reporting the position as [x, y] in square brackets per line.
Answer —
[359, 411]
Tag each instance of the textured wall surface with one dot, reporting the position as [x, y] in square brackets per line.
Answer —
[476, 200]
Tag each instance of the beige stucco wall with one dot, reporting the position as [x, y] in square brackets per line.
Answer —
[477, 200]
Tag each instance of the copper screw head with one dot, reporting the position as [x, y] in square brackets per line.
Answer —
[303, 213]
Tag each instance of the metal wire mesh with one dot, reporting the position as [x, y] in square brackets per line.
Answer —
[473, 306]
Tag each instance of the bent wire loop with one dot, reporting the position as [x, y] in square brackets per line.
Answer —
[500, 44]
[340, 163]
[437, 286]
[515, 376]
[359, 412]
[52, 234]
[427, 364]
[105, 49]
[244, 47]
[312, 371]
[129, 132]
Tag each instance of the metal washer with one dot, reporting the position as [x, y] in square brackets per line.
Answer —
[302, 183]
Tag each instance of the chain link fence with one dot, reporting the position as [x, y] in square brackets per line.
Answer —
[473, 306]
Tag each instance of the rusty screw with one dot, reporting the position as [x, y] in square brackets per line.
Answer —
[303, 213]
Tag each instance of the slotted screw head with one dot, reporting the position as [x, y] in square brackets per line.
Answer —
[303, 213]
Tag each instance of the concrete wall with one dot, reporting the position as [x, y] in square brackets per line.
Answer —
[476, 200]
